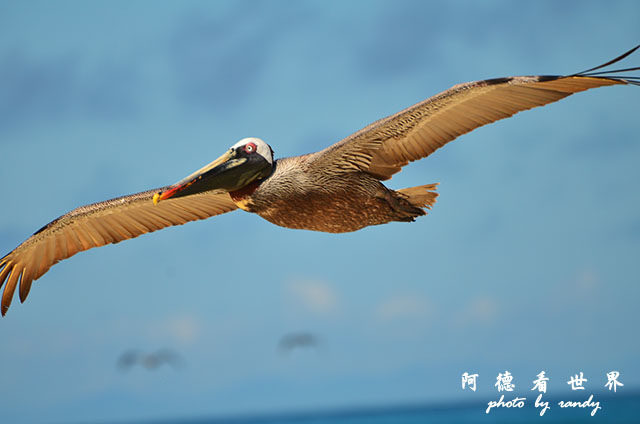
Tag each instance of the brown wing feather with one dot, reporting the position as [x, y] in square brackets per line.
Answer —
[384, 147]
[98, 224]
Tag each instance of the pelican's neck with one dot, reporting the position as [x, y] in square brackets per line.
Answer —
[245, 191]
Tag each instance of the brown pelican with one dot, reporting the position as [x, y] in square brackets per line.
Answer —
[292, 341]
[338, 189]
[150, 361]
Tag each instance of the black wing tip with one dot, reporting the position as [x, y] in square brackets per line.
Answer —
[597, 72]
[611, 62]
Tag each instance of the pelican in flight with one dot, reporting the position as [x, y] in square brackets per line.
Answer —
[336, 190]
[150, 361]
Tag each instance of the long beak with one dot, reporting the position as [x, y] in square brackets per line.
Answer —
[229, 172]
[205, 174]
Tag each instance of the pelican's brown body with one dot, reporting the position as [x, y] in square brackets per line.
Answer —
[295, 196]
[336, 190]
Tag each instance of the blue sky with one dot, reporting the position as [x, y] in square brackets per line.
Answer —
[528, 262]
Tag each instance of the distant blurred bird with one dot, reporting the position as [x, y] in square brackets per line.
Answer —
[301, 340]
[336, 190]
[150, 361]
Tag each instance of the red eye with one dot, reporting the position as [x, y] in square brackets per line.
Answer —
[250, 148]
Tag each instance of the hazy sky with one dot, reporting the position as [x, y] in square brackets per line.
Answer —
[528, 262]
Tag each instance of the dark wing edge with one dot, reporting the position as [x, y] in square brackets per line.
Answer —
[384, 147]
[96, 225]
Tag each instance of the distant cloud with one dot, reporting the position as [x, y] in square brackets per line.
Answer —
[183, 329]
[587, 281]
[411, 306]
[574, 293]
[315, 296]
[482, 310]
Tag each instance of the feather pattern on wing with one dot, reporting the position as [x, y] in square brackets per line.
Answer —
[98, 224]
[384, 147]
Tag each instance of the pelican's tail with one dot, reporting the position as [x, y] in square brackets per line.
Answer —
[423, 196]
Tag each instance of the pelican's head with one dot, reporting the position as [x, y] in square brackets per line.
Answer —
[248, 160]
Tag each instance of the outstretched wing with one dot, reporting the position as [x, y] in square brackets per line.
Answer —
[98, 224]
[384, 147]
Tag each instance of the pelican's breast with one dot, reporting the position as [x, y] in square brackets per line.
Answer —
[295, 197]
